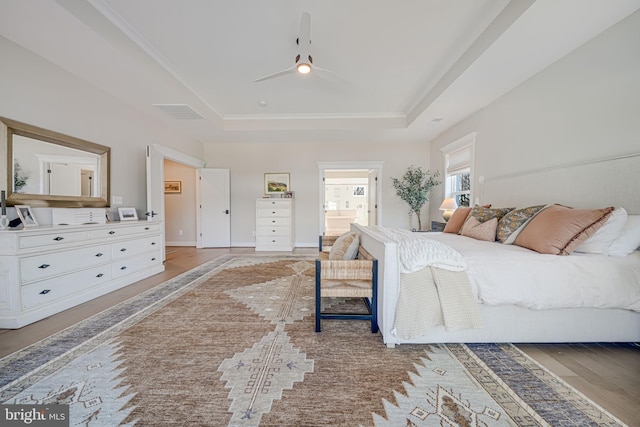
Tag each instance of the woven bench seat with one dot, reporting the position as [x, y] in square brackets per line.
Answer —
[356, 278]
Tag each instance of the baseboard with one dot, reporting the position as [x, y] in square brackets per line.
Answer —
[180, 243]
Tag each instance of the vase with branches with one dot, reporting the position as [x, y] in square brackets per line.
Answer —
[415, 188]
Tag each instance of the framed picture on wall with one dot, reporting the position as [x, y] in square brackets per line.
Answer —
[128, 214]
[276, 183]
[172, 187]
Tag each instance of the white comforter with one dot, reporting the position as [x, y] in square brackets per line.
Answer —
[507, 274]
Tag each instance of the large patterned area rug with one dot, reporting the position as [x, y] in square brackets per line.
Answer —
[232, 342]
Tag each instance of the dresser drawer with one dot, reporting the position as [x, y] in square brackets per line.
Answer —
[273, 204]
[270, 213]
[272, 231]
[273, 222]
[40, 293]
[134, 247]
[273, 241]
[43, 266]
[124, 231]
[52, 239]
[130, 265]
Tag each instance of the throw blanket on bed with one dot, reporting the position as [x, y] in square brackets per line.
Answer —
[416, 252]
[434, 286]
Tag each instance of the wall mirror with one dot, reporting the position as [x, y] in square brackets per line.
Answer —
[46, 168]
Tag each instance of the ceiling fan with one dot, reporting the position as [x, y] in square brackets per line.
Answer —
[303, 62]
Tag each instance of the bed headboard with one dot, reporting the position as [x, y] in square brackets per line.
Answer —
[613, 181]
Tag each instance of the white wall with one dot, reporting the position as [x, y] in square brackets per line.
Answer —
[248, 163]
[34, 91]
[584, 107]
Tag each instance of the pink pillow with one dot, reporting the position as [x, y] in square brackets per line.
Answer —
[480, 230]
[457, 220]
[559, 230]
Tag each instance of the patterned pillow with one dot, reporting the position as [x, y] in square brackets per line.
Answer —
[483, 214]
[512, 223]
[345, 247]
[480, 230]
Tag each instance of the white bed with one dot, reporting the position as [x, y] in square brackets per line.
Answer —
[532, 298]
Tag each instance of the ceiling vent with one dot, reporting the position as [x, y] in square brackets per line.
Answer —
[179, 111]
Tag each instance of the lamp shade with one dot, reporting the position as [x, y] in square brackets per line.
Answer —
[449, 204]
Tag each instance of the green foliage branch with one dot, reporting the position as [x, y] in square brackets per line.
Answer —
[415, 188]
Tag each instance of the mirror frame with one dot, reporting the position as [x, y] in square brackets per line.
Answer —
[9, 127]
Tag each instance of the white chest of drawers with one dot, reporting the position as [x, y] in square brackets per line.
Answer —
[274, 225]
[49, 269]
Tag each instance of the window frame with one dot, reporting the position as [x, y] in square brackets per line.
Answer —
[464, 149]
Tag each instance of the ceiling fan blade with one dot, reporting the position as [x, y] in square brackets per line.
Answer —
[304, 36]
[289, 70]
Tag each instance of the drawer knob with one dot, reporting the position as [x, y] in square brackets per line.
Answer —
[43, 266]
[57, 239]
[112, 232]
[123, 250]
[153, 243]
[273, 231]
[153, 259]
[99, 254]
[273, 212]
[273, 221]
[147, 228]
[100, 275]
[124, 267]
[273, 241]
[45, 291]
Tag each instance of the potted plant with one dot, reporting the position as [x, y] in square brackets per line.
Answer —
[415, 188]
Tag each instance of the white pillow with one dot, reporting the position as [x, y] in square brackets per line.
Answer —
[345, 246]
[599, 242]
[629, 239]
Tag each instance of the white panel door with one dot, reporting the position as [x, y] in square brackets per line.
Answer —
[155, 189]
[373, 197]
[215, 208]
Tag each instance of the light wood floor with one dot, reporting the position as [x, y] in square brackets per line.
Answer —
[607, 374]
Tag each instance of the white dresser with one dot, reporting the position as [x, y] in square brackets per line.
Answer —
[274, 225]
[45, 270]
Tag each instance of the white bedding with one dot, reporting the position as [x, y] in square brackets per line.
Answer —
[510, 275]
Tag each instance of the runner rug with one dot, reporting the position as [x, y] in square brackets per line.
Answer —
[232, 342]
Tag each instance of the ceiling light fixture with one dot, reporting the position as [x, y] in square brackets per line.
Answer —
[304, 68]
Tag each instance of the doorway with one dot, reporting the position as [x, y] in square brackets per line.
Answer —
[349, 193]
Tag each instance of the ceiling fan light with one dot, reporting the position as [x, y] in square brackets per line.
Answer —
[304, 68]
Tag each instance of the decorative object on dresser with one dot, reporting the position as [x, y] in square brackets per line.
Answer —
[448, 206]
[76, 216]
[26, 216]
[274, 225]
[276, 183]
[128, 214]
[437, 226]
[4, 221]
[45, 270]
[415, 189]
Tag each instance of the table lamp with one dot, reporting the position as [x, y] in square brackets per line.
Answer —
[448, 206]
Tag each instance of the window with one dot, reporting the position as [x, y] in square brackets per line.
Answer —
[458, 161]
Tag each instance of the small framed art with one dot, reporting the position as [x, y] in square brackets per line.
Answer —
[276, 183]
[172, 187]
[128, 214]
[26, 216]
